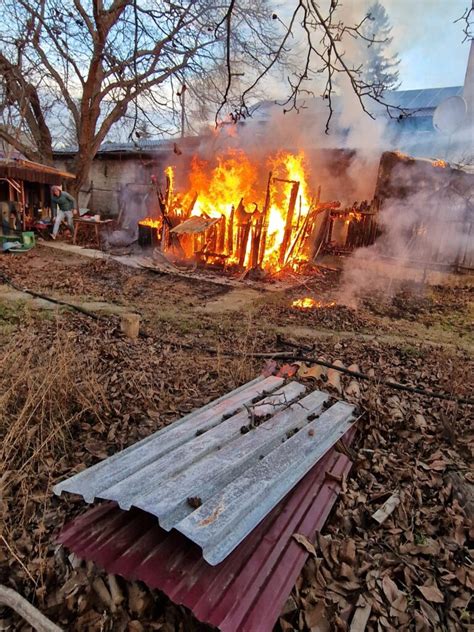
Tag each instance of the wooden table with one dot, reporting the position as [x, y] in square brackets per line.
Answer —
[96, 224]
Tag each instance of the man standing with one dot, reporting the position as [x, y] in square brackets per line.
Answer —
[64, 205]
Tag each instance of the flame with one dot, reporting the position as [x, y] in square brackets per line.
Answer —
[234, 188]
[152, 223]
[266, 211]
[310, 303]
[304, 303]
[439, 163]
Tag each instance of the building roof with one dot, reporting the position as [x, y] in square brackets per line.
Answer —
[409, 100]
[427, 98]
[22, 169]
[138, 146]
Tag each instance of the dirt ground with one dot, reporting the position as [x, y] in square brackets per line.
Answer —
[74, 390]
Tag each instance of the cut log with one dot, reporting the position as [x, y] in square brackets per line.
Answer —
[387, 508]
[130, 325]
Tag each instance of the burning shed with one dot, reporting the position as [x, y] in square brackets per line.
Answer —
[249, 213]
[426, 210]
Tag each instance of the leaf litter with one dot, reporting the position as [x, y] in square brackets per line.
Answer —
[412, 572]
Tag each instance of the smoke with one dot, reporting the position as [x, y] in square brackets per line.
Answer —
[343, 160]
[425, 223]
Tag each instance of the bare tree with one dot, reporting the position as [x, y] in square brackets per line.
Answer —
[98, 63]
[325, 36]
[104, 60]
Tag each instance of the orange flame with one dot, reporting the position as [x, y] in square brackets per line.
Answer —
[310, 303]
[152, 223]
[234, 189]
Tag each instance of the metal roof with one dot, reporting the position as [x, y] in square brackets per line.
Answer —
[237, 457]
[427, 98]
[248, 590]
[411, 100]
[22, 169]
[138, 146]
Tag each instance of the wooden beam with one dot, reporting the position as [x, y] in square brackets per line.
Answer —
[289, 221]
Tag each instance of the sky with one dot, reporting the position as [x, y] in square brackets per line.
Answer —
[428, 42]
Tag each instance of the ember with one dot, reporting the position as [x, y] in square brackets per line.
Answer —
[310, 303]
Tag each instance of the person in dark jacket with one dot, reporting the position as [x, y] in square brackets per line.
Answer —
[65, 207]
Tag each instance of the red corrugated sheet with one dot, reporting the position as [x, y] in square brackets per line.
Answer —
[245, 592]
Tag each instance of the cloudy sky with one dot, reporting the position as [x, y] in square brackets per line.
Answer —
[429, 43]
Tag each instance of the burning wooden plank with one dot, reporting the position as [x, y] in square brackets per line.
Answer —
[194, 225]
[289, 221]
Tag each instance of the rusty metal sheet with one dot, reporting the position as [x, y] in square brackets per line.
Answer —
[244, 593]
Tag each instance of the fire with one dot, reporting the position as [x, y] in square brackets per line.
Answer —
[310, 303]
[263, 218]
[439, 163]
[304, 303]
[152, 223]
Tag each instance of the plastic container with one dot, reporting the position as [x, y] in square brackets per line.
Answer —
[28, 239]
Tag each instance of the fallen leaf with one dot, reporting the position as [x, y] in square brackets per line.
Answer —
[390, 589]
[314, 614]
[305, 543]
[287, 370]
[432, 593]
[347, 552]
[315, 371]
[360, 618]
[269, 368]
[334, 377]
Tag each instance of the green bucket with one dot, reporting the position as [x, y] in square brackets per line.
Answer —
[28, 239]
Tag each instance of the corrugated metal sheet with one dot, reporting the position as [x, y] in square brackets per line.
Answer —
[247, 591]
[237, 458]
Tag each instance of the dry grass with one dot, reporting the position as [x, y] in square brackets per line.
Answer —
[44, 394]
